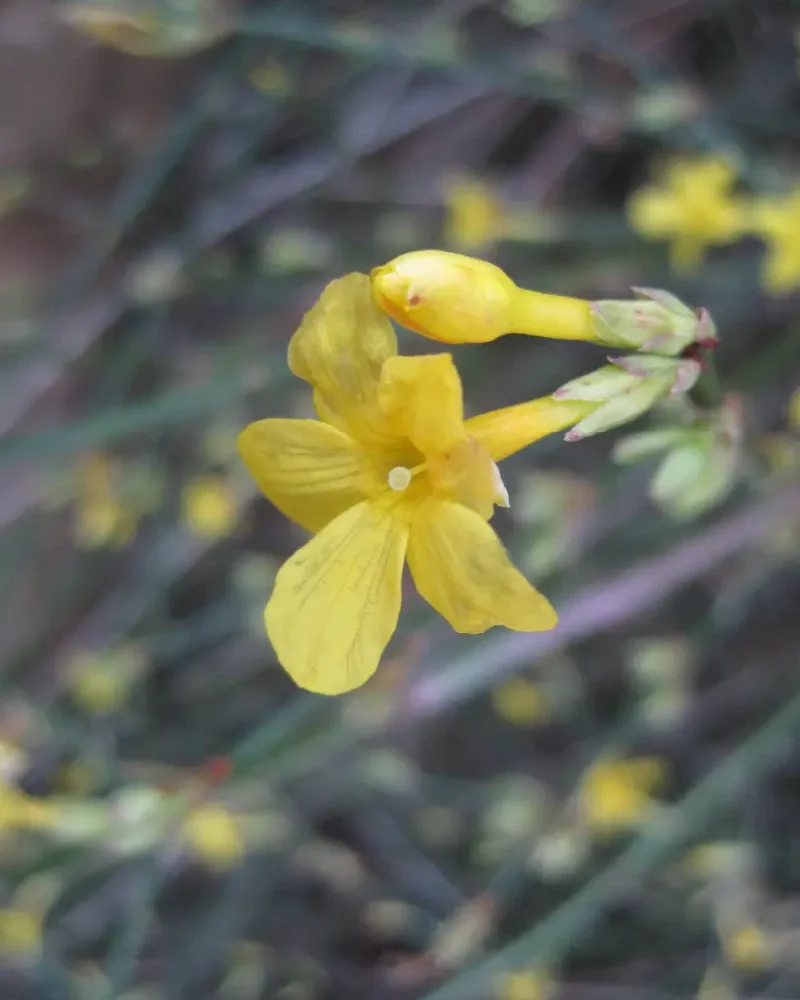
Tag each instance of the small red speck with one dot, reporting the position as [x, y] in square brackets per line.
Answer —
[414, 300]
[693, 353]
[217, 770]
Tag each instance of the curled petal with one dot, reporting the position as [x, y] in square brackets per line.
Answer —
[311, 471]
[337, 600]
[461, 568]
[339, 349]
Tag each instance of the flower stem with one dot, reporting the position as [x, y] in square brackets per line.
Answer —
[556, 316]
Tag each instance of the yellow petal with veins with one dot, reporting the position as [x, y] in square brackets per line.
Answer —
[422, 399]
[461, 568]
[337, 600]
[504, 432]
[311, 471]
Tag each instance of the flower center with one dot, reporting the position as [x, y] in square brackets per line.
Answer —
[399, 478]
[465, 474]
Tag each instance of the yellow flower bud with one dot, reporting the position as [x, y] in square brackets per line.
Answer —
[457, 299]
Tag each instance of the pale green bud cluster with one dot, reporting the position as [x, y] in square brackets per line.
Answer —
[626, 388]
[655, 322]
[700, 463]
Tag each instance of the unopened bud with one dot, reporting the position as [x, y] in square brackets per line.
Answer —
[655, 321]
[463, 300]
[626, 389]
[446, 296]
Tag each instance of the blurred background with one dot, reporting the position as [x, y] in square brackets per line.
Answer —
[608, 812]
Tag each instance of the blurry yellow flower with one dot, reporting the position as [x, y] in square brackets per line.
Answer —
[208, 506]
[293, 250]
[524, 984]
[101, 517]
[391, 472]
[747, 947]
[269, 76]
[781, 454]
[715, 858]
[615, 795]
[19, 811]
[104, 524]
[96, 688]
[150, 27]
[692, 206]
[520, 702]
[101, 682]
[474, 217]
[20, 933]
[215, 835]
[13, 191]
[793, 411]
[777, 222]
[457, 299]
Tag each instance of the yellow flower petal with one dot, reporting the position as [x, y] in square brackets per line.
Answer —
[421, 397]
[311, 471]
[504, 432]
[654, 211]
[780, 272]
[461, 568]
[339, 349]
[336, 601]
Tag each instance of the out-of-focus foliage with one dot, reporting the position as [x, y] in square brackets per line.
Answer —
[605, 810]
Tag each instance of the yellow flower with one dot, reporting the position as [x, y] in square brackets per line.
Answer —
[215, 835]
[520, 702]
[19, 811]
[269, 76]
[692, 206]
[391, 472]
[777, 222]
[209, 506]
[150, 27]
[747, 947]
[474, 217]
[456, 299]
[793, 411]
[102, 682]
[20, 933]
[616, 794]
[101, 518]
[524, 984]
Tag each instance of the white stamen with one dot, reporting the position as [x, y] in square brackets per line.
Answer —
[399, 477]
[501, 497]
